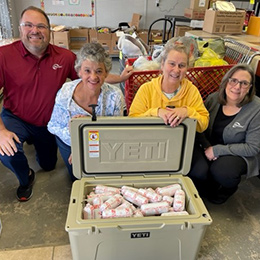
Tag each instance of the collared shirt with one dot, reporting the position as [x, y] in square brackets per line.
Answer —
[110, 103]
[30, 84]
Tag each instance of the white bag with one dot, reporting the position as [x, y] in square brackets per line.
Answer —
[131, 46]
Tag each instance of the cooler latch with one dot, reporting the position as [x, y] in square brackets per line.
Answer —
[93, 230]
[94, 115]
[186, 225]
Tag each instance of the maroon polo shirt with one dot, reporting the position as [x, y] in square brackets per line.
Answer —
[30, 84]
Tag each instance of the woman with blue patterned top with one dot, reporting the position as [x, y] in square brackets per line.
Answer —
[73, 99]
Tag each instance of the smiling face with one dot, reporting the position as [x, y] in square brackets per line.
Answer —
[235, 94]
[34, 40]
[93, 74]
[175, 66]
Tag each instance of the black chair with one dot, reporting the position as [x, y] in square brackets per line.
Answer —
[166, 33]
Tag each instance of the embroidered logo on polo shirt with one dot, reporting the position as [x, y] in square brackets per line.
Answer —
[237, 125]
[56, 66]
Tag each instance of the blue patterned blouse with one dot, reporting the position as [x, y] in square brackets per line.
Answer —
[110, 103]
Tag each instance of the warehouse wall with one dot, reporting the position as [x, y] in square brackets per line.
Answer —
[106, 12]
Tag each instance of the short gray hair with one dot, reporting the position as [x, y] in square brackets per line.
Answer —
[93, 52]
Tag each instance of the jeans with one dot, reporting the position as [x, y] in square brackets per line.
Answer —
[43, 141]
[65, 151]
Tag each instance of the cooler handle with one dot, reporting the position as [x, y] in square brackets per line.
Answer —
[141, 226]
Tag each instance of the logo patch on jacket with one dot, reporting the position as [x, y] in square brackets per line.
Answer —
[237, 125]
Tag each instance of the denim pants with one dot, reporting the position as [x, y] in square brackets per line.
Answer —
[65, 151]
[43, 141]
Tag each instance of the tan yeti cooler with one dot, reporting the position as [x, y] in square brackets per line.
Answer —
[141, 153]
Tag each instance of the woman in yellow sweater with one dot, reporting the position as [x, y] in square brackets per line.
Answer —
[171, 96]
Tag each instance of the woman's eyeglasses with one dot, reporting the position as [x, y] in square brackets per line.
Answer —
[243, 83]
[29, 26]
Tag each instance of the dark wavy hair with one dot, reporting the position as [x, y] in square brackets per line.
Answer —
[33, 8]
[222, 97]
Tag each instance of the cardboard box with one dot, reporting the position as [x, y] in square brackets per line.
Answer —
[202, 35]
[135, 20]
[61, 39]
[155, 36]
[199, 5]
[135, 152]
[107, 40]
[180, 30]
[51, 38]
[194, 14]
[196, 23]
[106, 45]
[113, 46]
[224, 22]
[143, 34]
[78, 37]
[95, 36]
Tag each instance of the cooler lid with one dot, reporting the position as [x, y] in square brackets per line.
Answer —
[123, 145]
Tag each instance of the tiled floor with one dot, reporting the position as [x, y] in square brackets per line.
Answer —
[40, 253]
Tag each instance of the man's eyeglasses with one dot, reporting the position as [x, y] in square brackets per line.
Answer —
[243, 83]
[29, 26]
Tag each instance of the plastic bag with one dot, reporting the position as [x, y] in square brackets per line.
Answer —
[209, 58]
[131, 46]
[142, 63]
[156, 53]
[217, 45]
[191, 47]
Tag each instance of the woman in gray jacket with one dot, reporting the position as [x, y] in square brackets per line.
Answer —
[231, 144]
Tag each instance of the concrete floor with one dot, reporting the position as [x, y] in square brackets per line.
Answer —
[36, 229]
[39, 223]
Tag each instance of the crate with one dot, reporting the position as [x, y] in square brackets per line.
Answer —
[238, 52]
[138, 78]
[206, 79]
[135, 81]
[128, 154]
[123, 61]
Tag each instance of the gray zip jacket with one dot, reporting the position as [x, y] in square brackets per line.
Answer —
[241, 136]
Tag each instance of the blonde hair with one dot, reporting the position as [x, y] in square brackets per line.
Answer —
[179, 47]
